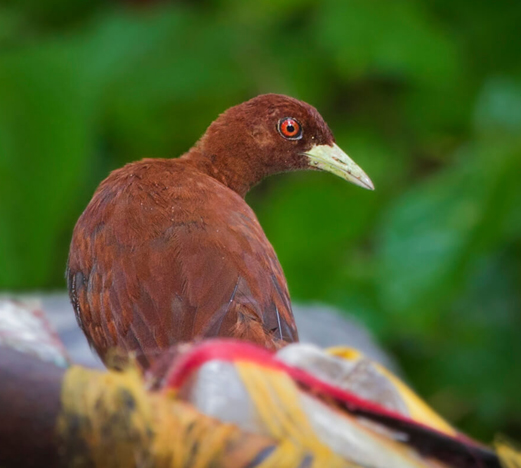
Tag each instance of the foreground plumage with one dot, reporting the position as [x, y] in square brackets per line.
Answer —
[168, 250]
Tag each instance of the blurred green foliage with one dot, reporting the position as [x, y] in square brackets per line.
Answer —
[425, 96]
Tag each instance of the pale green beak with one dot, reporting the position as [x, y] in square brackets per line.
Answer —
[333, 159]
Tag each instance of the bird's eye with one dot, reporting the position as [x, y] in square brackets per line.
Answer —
[289, 128]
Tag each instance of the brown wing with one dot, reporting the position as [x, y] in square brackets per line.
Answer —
[151, 266]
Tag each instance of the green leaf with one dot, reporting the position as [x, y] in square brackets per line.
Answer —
[45, 141]
[499, 106]
[397, 39]
[432, 232]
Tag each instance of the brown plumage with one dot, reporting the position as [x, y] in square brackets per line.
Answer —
[168, 250]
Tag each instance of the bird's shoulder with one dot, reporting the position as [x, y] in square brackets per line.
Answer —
[163, 193]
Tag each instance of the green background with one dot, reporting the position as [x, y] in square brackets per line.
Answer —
[425, 96]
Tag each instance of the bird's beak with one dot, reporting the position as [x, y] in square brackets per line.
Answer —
[333, 159]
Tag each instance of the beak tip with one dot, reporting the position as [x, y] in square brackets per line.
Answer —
[366, 182]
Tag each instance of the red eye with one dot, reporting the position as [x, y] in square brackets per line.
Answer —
[289, 128]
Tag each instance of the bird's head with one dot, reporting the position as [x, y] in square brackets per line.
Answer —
[273, 133]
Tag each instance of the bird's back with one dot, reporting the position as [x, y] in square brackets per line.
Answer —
[165, 254]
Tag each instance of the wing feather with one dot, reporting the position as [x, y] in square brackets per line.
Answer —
[146, 272]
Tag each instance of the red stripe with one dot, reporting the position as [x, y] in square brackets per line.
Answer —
[237, 351]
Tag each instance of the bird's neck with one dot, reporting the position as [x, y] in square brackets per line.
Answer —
[239, 174]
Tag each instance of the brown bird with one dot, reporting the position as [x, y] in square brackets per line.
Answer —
[168, 250]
